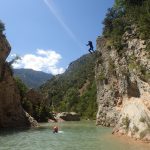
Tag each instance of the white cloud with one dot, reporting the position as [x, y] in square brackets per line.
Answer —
[43, 60]
[13, 55]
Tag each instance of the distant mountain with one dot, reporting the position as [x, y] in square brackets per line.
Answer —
[32, 78]
[75, 89]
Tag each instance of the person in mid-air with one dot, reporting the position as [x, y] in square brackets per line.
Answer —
[91, 47]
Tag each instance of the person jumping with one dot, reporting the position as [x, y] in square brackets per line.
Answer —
[91, 47]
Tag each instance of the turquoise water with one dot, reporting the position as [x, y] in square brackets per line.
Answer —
[73, 136]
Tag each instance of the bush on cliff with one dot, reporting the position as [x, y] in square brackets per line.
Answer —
[124, 14]
[22, 87]
[2, 27]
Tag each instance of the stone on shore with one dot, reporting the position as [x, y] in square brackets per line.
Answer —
[68, 116]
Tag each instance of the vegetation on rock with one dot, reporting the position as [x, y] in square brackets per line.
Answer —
[123, 73]
[33, 105]
[122, 16]
[2, 27]
[75, 89]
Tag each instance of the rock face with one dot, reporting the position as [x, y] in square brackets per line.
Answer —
[12, 114]
[68, 116]
[123, 86]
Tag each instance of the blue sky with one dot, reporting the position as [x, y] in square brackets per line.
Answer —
[49, 34]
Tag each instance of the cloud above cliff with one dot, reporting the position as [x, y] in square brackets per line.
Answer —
[43, 60]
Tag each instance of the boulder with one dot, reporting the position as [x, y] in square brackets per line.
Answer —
[32, 121]
[68, 116]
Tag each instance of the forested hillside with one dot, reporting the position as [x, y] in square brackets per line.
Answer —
[32, 78]
[75, 89]
[122, 17]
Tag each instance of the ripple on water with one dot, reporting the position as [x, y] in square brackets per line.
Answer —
[75, 136]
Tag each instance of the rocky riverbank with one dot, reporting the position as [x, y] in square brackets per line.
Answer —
[65, 116]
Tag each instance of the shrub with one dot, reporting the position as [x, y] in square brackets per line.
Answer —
[2, 27]
[101, 76]
[145, 74]
[142, 119]
[135, 128]
[112, 67]
[21, 86]
[124, 14]
[27, 105]
[148, 47]
[126, 122]
[144, 133]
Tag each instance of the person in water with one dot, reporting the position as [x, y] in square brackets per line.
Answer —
[90, 44]
[55, 129]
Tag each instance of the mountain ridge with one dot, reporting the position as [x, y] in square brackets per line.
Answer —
[32, 78]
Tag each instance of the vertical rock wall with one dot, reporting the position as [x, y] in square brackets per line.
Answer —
[11, 112]
[123, 86]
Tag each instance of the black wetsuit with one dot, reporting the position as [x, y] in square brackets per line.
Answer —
[91, 46]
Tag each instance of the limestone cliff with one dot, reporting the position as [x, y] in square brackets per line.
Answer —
[123, 86]
[11, 111]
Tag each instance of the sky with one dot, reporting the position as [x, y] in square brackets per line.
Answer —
[49, 34]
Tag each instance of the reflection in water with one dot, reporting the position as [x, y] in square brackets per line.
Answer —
[72, 136]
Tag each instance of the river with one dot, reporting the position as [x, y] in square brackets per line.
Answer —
[82, 135]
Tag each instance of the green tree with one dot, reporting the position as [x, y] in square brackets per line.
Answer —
[65, 90]
[124, 14]
[21, 86]
[41, 113]
[11, 62]
[88, 105]
[2, 27]
[71, 98]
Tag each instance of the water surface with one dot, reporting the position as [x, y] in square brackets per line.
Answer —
[73, 136]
